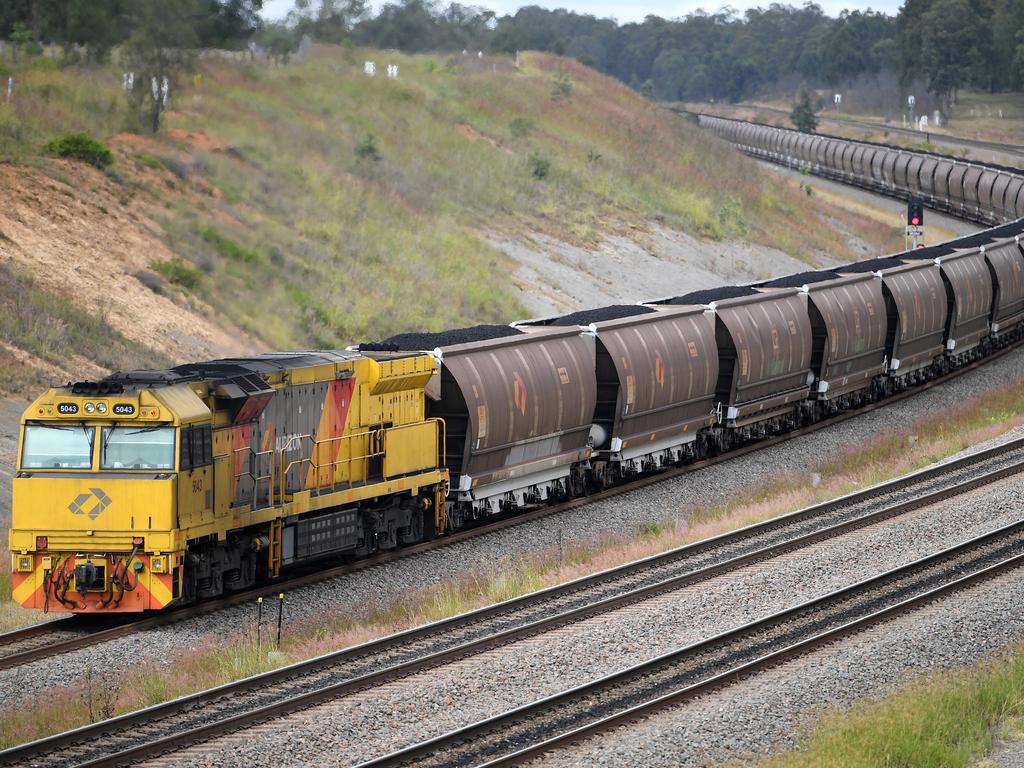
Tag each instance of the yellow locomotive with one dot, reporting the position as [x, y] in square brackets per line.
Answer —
[150, 488]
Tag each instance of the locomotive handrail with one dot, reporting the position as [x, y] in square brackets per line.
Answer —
[374, 435]
[282, 479]
[377, 447]
[269, 477]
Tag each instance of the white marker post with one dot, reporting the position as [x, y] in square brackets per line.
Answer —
[10, 89]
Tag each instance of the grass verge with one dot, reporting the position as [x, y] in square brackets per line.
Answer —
[946, 720]
[927, 440]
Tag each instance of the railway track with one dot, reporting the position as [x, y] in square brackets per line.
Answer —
[534, 730]
[48, 639]
[203, 716]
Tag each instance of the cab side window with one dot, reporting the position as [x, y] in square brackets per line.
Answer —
[196, 446]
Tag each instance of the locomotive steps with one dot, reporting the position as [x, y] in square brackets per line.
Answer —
[203, 716]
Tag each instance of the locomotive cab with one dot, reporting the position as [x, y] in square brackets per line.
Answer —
[96, 498]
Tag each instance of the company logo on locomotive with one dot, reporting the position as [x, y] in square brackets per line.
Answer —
[77, 507]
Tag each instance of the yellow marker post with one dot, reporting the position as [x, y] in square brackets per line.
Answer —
[259, 619]
[280, 611]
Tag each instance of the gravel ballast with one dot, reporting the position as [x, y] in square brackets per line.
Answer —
[771, 711]
[375, 587]
[425, 705]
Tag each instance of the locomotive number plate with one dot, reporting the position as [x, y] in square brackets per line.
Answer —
[124, 409]
[67, 409]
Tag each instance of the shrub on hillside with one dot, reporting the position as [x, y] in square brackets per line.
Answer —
[561, 87]
[367, 148]
[81, 146]
[179, 272]
[540, 167]
[522, 127]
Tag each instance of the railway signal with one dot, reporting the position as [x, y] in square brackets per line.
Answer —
[915, 221]
[915, 211]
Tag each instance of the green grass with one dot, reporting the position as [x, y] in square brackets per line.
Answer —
[17, 378]
[947, 721]
[179, 272]
[284, 194]
[55, 329]
[151, 161]
[228, 248]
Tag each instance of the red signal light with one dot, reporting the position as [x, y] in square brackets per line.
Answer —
[42, 542]
[915, 221]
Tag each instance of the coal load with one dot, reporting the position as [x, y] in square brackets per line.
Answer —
[801, 278]
[426, 341]
[930, 252]
[614, 312]
[872, 265]
[713, 294]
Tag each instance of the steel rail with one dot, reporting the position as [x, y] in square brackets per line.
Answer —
[50, 748]
[476, 735]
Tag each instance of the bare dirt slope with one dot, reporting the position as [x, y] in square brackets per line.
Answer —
[79, 234]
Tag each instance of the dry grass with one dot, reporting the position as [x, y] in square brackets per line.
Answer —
[12, 615]
[926, 441]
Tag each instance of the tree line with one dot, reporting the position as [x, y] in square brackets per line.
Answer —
[100, 25]
[949, 44]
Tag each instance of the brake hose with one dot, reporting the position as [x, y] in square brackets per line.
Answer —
[126, 575]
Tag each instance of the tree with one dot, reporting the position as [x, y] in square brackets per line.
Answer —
[226, 23]
[670, 73]
[802, 115]
[162, 46]
[954, 42]
[279, 41]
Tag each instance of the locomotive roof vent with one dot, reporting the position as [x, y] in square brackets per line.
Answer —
[97, 388]
[247, 396]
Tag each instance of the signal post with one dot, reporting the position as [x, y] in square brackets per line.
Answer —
[914, 232]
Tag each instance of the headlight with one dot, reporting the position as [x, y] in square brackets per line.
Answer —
[101, 407]
[89, 408]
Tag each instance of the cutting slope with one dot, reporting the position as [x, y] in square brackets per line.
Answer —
[311, 205]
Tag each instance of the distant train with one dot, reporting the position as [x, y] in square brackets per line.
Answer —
[979, 192]
[152, 488]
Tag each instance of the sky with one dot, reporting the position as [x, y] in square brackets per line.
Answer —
[626, 12]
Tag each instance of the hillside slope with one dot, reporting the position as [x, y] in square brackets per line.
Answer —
[310, 205]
